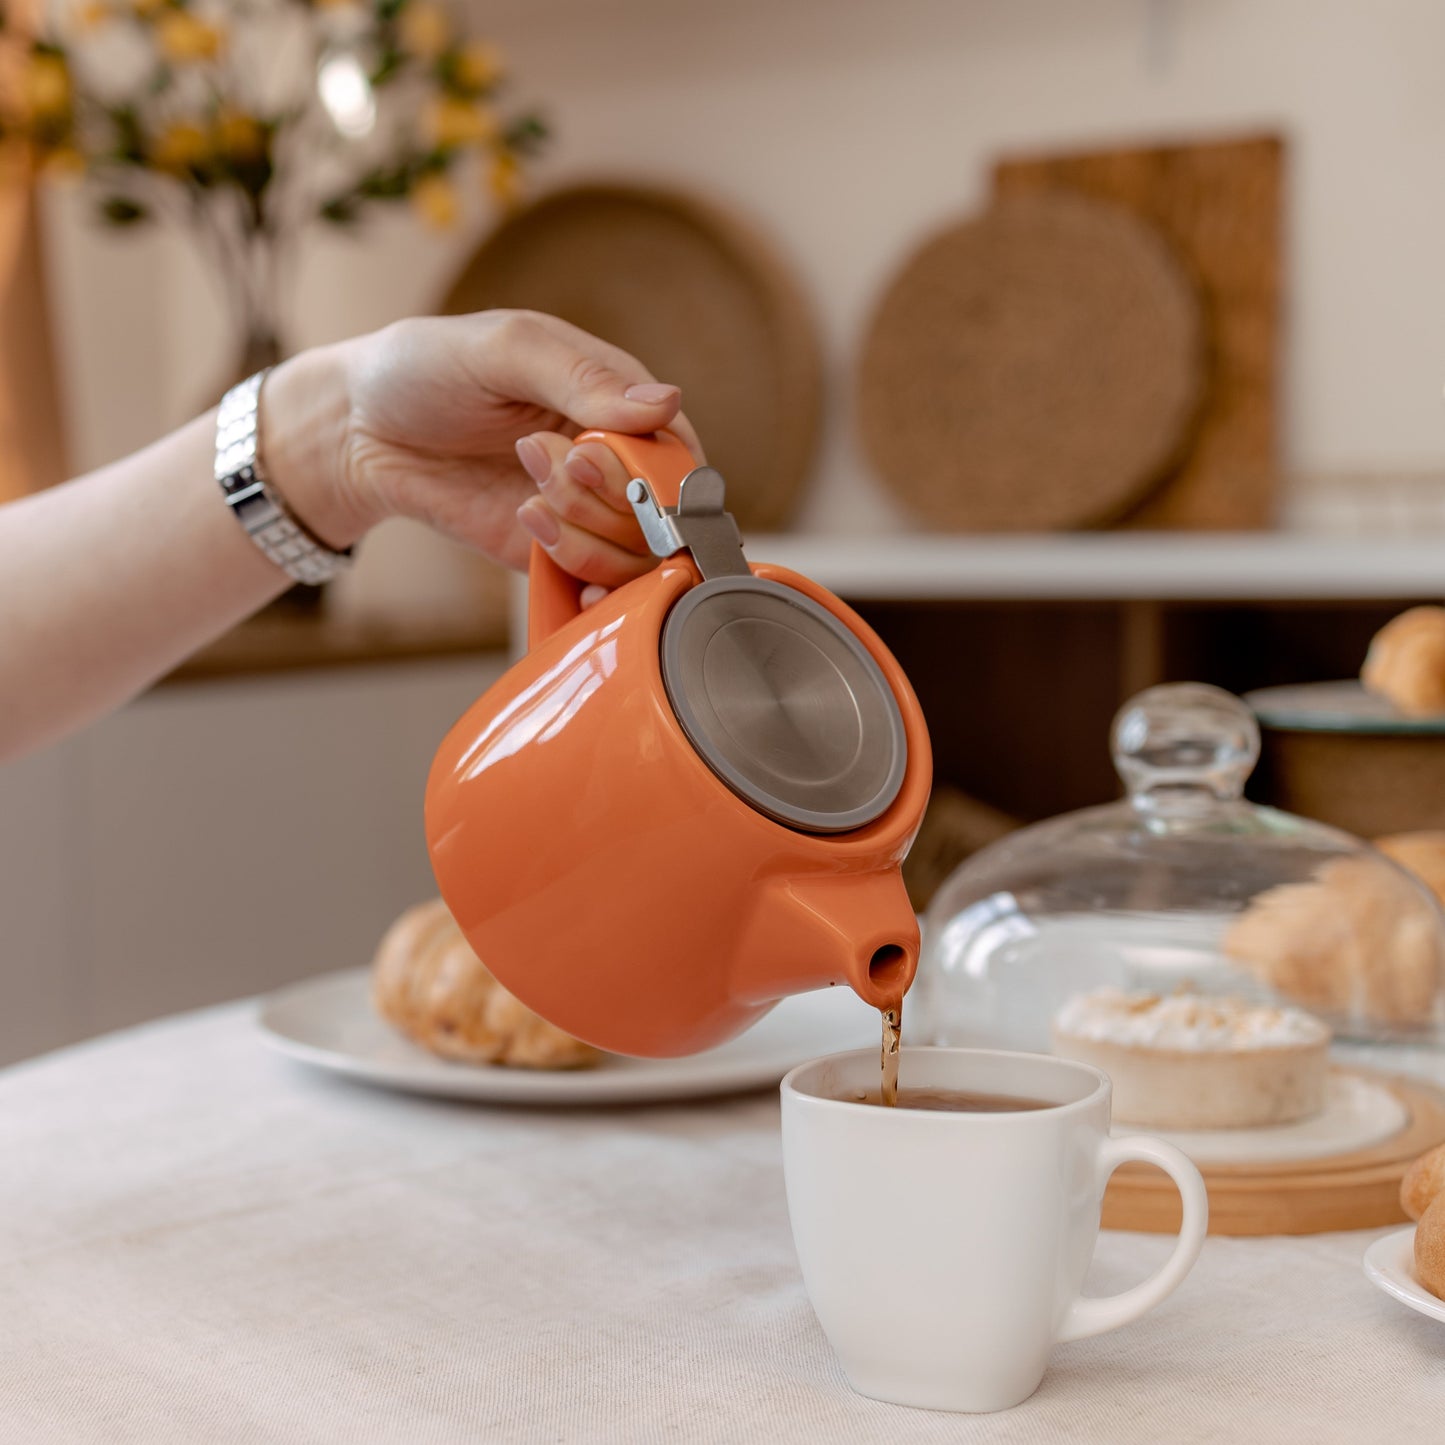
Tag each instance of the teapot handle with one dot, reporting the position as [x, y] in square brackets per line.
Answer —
[554, 597]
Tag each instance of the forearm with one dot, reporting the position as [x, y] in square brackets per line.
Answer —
[109, 581]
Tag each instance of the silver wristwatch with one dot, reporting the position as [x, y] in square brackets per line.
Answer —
[255, 504]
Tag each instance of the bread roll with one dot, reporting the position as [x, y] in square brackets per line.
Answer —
[428, 983]
[1430, 1247]
[1424, 1180]
[1406, 662]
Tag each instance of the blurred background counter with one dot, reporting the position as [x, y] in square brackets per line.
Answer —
[257, 817]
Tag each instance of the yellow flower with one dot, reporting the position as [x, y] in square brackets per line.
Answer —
[454, 122]
[46, 87]
[65, 163]
[504, 178]
[182, 37]
[424, 29]
[479, 66]
[180, 146]
[436, 201]
[239, 135]
[92, 14]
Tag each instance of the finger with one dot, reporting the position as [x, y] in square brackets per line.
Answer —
[596, 467]
[591, 595]
[584, 554]
[542, 360]
[571, 485]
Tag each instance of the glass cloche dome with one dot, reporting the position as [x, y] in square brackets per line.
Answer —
[1183, 887]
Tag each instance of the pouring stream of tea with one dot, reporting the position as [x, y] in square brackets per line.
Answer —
[892, 1031]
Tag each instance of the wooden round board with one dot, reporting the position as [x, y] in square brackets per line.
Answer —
[698, 298]
[1358, 1190]
[1040, 366]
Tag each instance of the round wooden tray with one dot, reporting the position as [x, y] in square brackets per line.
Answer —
[698, 298]
[1040, 366]
[1358, 1190]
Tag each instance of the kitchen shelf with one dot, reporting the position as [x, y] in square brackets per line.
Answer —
[1115, 566]
[272, 644]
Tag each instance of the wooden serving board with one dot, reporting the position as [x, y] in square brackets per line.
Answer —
[1220, 205]
[1358, 1190]
[1036, 367]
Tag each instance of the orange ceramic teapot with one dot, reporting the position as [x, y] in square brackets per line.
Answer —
[688, 800]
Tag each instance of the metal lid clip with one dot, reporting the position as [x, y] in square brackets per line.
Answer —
[699, 523]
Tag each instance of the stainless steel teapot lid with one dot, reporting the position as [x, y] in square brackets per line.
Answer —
[781, 700]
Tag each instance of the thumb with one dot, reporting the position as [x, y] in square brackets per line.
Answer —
[565, 369]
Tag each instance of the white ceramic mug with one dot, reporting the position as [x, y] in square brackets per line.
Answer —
[944, 1251]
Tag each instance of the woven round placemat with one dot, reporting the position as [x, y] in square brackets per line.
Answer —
[1037, 367]
[695, 295]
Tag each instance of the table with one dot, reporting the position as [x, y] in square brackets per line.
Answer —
[201, 1242]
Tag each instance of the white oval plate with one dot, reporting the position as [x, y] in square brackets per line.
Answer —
[1390, 1266]
[329, 1023]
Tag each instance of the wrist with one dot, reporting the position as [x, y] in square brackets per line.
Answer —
[305, 417]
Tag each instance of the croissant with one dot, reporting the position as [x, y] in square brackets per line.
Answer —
[428, 983]
[1355, 938]
[1423, 853]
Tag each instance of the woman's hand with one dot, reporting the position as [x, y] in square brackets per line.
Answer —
[460, 422]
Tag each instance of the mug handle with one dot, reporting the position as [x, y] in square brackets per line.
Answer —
[554, 597]
[1088, 1316]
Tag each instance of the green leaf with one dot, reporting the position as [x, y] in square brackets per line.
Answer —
[129, 138]
[383, 185]
[388, 64]
[340, 211]
[526, 134]
[122, 211]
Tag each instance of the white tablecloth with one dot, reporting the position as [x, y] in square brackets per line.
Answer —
[202, 1242]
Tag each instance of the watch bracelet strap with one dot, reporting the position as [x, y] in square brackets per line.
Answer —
[254, 503]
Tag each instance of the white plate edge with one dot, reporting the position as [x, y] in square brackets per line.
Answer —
[475, 1084]
[1381, 1271]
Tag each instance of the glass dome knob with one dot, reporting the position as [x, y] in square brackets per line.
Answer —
[1184, 741]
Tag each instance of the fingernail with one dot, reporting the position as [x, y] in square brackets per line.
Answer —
[652, 393]
[539, 521]
[592, 594]
[534, 459]
[582, 470]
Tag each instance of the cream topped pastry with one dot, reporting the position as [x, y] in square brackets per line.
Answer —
[1189, 1061]
[1185, 1021]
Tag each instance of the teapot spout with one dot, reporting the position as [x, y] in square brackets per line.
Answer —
[814, 930]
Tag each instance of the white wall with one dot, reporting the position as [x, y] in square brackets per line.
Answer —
[851, 128]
